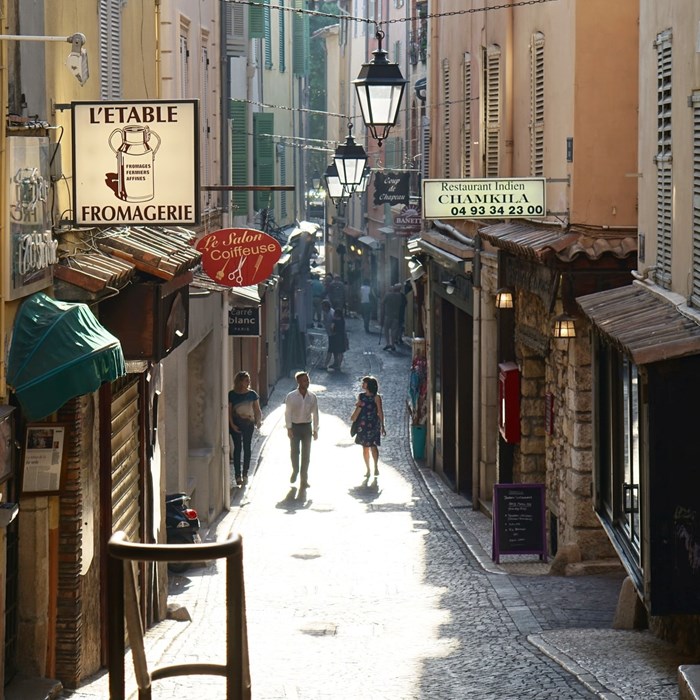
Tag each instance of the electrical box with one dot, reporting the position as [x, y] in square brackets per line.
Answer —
[509, 401]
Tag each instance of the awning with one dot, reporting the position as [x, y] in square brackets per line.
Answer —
[245, 296]
[58, 351]
[372, 243]
[645, 325]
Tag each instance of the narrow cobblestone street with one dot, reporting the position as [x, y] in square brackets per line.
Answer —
[384, 590]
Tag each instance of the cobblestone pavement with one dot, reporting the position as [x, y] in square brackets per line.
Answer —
[385, 590]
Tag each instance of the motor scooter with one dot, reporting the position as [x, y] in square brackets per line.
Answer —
[181, 526]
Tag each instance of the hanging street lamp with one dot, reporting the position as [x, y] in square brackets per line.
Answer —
[362, 187]
[380, 87]
[335, 190]
[350, 160]
[316, 180]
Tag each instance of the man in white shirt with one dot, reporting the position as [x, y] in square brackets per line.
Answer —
[301, 418]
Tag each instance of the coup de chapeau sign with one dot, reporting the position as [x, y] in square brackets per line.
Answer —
[136, 163]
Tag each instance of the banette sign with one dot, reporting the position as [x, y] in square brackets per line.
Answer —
[136, 163]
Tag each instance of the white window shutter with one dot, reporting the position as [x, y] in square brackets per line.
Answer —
[537, 105]
[664, 161]
[467, 118]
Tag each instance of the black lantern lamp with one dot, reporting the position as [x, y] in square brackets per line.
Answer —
[380, 87]
[362, 187]
[316, 180]
[350, 160]
[504, 298]
[335, 190]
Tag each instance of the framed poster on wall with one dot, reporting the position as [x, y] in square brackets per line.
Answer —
[44, 458]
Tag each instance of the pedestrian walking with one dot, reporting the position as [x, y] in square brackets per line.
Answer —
[369, 415]
[336, 293]
[366, 296]
[328, 315]
[337, 341]
[318, 291]
[244, 416]
[391, 314]
[301, 418]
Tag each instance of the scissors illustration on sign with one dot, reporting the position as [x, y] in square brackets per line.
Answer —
[237, 275]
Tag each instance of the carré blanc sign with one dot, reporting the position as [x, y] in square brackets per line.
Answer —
[490, 198]
[136, 162]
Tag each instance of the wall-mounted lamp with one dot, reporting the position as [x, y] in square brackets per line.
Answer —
[564, 326]
[450, 285]
[415, 267]
[77, 61]
[504, 298]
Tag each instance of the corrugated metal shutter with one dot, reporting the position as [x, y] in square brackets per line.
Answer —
[447, 111]
[264, 157]
[695, 104]
[125, 459]
[238, 113]
[110, 22]
[492, 102]
[537, 105]
[234, 17]
[664, 161]
[467, 112]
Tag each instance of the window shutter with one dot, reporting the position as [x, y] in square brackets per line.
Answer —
[184, 66]
[447, 111]
[425, 140]
[393, 154]
[664, 161]
[695, 104]
[537, 105]
[282, 37]
[467, 136]
[492, 80]
[283, 181]
[264, 157]
[238, 114]
[300, 55]
[234, 18]
[110, 49]
[205, 138]
[268, 35]
[256, 21]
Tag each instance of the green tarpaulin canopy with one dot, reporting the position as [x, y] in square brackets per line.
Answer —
[58, 351]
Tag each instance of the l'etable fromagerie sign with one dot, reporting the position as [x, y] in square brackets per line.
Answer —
[136, 163]
[492, 198]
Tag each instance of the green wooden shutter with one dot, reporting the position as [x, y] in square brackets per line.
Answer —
[238, 113]
[256, 21]
[300, 54]
[264, 158]
[282, 38]
[268, 36]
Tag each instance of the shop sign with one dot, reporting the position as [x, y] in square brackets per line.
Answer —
[408, 221]
[238, 257]
[32, 248]
[490, 198]
[136, 163]
[391, 188]
[244, 321]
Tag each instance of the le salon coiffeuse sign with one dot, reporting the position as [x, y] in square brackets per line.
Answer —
[136, 163]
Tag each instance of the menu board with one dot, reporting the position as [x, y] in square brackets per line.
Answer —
[518, 520]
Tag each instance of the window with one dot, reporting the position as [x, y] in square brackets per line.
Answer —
[467, 112]
[618, 421]
[537, 105]
[447, 111]
[492, 106]
[110, 49]
[695, 104]
[663, 159]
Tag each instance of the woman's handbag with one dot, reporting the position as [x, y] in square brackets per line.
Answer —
[354, 428]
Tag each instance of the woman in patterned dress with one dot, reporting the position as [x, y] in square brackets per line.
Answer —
[371, 422]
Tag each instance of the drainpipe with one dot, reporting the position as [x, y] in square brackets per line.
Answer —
[158, 50]
[476, 377]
